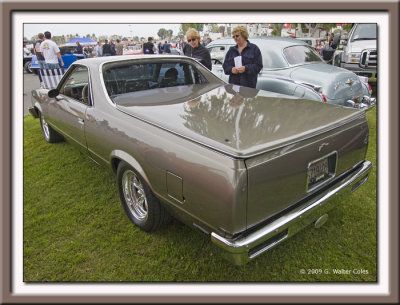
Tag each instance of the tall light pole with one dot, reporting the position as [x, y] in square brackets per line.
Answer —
[130, 30]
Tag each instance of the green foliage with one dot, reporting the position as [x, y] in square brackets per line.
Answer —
[197, 26]
[164, 34]
[75, 230]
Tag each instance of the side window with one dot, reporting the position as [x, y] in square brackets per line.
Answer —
[76, 85]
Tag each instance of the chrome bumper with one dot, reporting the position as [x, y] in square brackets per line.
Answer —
[365, 103]
[243, 249]
[33, 112]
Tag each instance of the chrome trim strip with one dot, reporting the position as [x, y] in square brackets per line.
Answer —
[294, 221]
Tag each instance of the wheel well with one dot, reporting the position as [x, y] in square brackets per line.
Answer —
[114, 164]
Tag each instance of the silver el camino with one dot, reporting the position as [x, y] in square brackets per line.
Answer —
[249, 168]
[292, 67]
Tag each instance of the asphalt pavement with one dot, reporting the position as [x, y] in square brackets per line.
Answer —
[31, 81]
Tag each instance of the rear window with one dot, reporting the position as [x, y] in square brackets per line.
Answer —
[133, 77]
[297, 55]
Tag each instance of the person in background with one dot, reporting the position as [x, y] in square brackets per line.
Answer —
[51, 52]
[166, 48]
[119, 48]
[26, 51]
[98, 50]
[89, 50]
[106, 48]
[36, 50]
[112, 45]
[148, 47]
[195, 50]
[159, 48]
[244, 71]
[79, 48]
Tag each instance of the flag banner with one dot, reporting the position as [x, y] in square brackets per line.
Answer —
[49, 78]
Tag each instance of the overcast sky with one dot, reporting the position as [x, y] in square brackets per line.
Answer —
[141, 30]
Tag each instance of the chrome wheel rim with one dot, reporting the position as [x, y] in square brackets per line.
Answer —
[134, 195]
[45, 128]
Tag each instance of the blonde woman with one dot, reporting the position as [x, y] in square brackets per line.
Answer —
[195, 50]
[246, 53]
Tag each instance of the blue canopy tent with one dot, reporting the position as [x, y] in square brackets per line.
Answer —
[82, 40]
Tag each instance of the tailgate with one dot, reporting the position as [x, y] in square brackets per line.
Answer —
[279, 179]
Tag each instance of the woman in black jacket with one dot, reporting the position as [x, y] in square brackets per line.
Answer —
[195, 50]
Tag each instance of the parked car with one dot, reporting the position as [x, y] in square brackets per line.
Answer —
[358, 53]
[27, 63]
[68, 55]
[292, 67]
[133, 50]
[247, 167]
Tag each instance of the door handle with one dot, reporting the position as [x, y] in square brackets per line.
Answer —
[81, 121]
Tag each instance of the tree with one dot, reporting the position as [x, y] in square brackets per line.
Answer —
[214, 28]
[277, 29]
[197, 26]
[314, 28]
[162, 33]
[169, 33]
[103, 37]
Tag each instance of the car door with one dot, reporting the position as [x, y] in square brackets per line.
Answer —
[67, 113]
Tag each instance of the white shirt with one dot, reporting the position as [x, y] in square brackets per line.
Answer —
[49, 50]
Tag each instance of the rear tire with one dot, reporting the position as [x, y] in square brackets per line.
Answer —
[140, 204]
[49, 134]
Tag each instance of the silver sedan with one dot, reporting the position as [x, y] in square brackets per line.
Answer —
[293, 68]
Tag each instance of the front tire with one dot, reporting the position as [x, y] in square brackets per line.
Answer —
[140, 204]
[27, 67]
[49, 134]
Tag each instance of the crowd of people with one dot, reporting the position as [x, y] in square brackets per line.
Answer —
[242, 63]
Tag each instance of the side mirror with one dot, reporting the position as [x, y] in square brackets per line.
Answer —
[53, 93]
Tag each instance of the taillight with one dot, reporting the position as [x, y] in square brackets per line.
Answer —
[369, 88]
[324, 98]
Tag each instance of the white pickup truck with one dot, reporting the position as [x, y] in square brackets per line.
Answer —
[358, 53]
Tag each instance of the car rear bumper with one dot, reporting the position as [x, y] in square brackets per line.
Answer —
[369, 72]
[244, 248]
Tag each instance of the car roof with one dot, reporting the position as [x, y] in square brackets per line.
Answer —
[271, 48]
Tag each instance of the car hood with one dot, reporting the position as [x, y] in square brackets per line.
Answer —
[241, 124]
[336, 83]
[358, 45]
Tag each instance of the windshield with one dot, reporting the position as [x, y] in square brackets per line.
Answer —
[297, 55]
[364, 32]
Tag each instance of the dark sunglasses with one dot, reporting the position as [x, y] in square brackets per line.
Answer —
[194, 39]
[235, 36]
